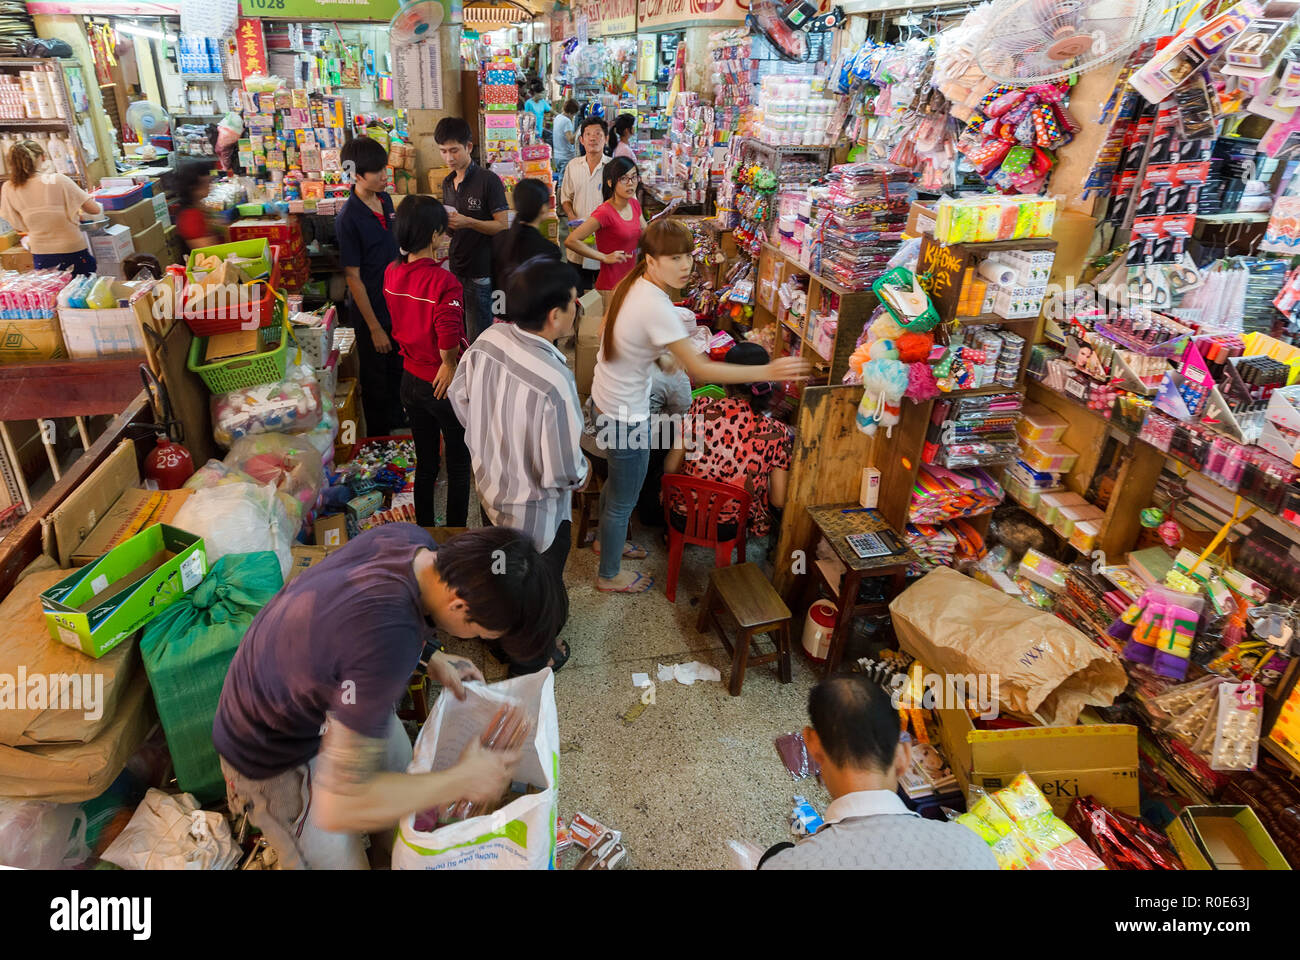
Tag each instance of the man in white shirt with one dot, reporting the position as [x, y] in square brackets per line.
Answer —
[517, 398]
[580, 191]
[855, 737]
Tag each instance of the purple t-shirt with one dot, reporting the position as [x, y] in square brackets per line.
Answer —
[344, 638]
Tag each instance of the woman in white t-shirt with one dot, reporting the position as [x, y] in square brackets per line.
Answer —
[641, 324]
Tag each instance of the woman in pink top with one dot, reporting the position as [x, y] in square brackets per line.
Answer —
[617, 225]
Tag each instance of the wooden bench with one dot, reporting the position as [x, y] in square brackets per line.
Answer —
[744, 593]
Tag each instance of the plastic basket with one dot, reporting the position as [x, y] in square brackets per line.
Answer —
[240, 316]
[237, 373]
[710, 390]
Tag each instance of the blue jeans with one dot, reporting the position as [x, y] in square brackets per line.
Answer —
[478, 305]
[628, 459]
[81, 262]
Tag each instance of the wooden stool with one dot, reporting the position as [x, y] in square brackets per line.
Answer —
[588, 506]
[754, 604]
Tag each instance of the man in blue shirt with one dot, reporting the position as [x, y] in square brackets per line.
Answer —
[366, 247]
[310, 745]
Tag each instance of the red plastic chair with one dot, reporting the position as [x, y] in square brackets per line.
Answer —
[705, 501]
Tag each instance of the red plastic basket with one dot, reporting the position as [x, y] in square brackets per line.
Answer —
[229, 319]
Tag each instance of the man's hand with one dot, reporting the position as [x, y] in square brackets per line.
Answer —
[442, 380]
[485, 774]
[453, 673]
[381, 340]
[457, 220]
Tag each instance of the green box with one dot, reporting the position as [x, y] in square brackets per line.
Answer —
[134, 582]
[1224, 837]
[258, 249]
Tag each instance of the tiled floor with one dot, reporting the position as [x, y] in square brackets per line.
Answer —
[698, 767]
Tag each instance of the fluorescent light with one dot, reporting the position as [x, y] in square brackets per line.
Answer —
[146, 32]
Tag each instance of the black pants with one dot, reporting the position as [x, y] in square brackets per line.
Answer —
[430, 419]
[381, 378]
[726, 529]
[586, 279]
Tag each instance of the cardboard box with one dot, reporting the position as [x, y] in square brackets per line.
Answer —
[584, 364]
[139, 216]
[1224, 837]
[920, 219]
[24, 341]
[134, 510]
[113, 333]
[345, 405]
[304, 558]
[152, 240]
[160, 211]
[102, 604]
[1066, 762]
[71, 522]
[332, 531]
[17, 259]
[114, 244]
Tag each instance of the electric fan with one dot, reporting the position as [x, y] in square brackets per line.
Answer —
[790, 44]
[1034, 41]
[417, 21]
[147, 118]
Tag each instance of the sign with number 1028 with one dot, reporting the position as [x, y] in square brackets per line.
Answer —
[323, 9]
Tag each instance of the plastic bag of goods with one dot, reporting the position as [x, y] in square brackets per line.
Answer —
[1020, 828]
[187, 650]
[292, 464]
[323, 435]
[291, 405]
[171, 833]
[521, 833]
[36, 835]
[239, 518]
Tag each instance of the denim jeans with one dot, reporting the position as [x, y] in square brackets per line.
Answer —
[80, 262]
[628, 459]
[478, 305]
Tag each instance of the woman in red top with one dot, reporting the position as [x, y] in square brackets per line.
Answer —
[193, 181]
[736, 444]
[424, 301]
[617, 224]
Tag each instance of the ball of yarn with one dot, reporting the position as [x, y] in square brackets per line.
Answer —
[914, 347]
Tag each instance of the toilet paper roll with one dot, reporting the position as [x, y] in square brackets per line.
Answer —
[997, 272]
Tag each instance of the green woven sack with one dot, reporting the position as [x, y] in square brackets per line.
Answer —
[187, 651]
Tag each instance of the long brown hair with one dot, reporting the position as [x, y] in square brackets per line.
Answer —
[25, 157]
[663, 238]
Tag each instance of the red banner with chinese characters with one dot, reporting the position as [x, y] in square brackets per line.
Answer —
[252, 48]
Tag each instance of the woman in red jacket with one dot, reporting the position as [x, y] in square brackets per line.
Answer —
[424, 301]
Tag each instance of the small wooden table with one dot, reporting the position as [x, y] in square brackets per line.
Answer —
[835, 522]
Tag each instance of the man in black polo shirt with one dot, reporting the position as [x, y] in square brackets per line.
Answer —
[366, 248]
[479, 199]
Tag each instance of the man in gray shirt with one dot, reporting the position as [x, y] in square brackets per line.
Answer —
[855, 737]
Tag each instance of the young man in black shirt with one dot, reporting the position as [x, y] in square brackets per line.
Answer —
[479, 199]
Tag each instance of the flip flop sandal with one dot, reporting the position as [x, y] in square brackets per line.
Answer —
[632, 551]
[522, 669]
[649, 582]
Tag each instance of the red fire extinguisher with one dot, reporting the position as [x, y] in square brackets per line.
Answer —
[168, 464]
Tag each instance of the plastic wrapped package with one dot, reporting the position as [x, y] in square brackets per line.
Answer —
[239, 518]
[171, 833]
[1020, 828]
[1120, 841]
[293, 405]
[323, 435]
[292, 463]
[36, 835]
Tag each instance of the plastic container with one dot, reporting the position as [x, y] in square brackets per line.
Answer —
[118, 198]
[818, 630]
[237, 373]
[1038, 424]
[1048, 456]
[255, 310]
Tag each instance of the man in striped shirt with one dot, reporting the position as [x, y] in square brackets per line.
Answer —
[518, 401]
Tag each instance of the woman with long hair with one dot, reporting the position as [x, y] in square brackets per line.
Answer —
[424, 302]
[640, 324]
[737, 444]
[46, 205]
[524, 239]
[193, 181]
[620, 137]
[617, 225]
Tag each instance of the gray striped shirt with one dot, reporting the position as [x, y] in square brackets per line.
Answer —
[518, 401]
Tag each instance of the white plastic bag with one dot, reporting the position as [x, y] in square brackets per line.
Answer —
[171, 833]
[518, 836]
[239, 518]
[35, 835]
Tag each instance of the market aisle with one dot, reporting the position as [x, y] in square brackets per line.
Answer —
[698, 767]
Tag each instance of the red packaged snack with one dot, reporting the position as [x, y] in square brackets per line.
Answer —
[1121, 841]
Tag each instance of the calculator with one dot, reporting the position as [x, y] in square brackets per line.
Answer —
[868, 546]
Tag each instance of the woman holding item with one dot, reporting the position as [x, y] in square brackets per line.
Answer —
[617, 224]
[641, 324]
[424, 301]
[46, 205]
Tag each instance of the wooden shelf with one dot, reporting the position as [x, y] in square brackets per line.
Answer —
[42, 123]
[1276, 750]
[988, 319]
[813, 350]
[1222, 218]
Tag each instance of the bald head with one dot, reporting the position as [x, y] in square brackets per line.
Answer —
[855, 721]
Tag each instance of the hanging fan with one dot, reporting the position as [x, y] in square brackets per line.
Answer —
[1034, 41]
[767, 18]
[416, 22]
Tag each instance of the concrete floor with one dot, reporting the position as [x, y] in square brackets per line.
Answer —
[699, 766]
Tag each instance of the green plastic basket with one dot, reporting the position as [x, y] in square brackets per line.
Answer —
[238, 373]
[258, 249]
[710, 390]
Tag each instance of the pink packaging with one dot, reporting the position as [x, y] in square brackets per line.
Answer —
[536, 151]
